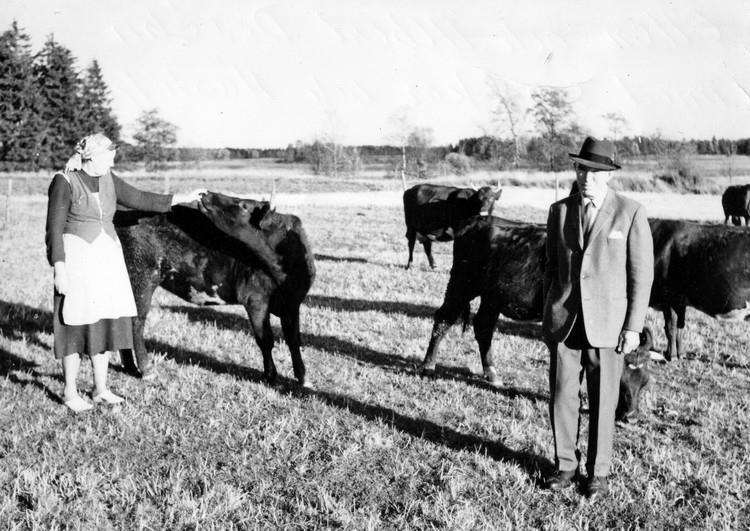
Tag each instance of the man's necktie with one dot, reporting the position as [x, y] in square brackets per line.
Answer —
[588, 218]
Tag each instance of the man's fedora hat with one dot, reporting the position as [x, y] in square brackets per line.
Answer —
[596, 155]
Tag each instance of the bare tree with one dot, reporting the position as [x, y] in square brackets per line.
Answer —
[508, 114]
[414, 143]
[399, 126]
[617, 124]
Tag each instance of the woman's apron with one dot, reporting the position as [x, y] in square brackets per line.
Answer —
[98, 282]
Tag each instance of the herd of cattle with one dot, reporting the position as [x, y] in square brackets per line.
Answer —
[205, 256]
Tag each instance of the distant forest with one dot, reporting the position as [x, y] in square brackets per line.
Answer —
[47, 104]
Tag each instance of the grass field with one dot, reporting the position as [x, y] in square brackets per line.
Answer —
[258, 176]
[371, 444]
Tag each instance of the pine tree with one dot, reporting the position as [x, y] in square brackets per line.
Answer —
[96, 110]
[20, 122]
[59, 87]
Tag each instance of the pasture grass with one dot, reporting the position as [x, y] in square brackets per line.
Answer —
[371, 444]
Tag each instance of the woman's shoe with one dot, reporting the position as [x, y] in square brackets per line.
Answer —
[78, 405]
[108, 397]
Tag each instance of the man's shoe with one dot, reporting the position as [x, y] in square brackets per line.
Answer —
[597, 487]
[561, 480]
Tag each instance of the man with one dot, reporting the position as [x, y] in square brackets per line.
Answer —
[597, 284]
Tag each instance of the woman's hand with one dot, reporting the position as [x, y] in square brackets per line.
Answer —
[61, 278]
[189, 199]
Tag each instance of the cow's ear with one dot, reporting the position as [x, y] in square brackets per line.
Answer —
[498, 194]
[259, 213]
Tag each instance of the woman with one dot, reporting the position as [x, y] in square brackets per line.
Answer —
[93, 301]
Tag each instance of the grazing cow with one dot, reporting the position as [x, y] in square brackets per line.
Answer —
[699, 265]
[502, 262]
[184, 252]
[433, 213]
[736, 203]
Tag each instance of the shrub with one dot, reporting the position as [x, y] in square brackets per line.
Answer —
[458, 163]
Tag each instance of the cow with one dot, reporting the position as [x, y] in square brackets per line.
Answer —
[433, 213]
[502, 262]
[700, 265]
[736, 204]
[207, 257]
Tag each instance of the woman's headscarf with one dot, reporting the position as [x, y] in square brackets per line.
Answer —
[87, 148]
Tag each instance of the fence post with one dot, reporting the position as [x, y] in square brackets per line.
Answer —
[166, 182]
[7, 202]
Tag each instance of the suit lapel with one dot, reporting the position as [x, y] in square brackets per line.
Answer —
[603, 217]
[572, 225]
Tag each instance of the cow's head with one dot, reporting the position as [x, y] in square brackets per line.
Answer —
[485, 199]
[230, 213]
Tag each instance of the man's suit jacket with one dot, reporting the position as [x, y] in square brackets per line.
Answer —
[606, 280]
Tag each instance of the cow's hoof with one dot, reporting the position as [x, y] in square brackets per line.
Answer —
[148, 374]
[492, 377]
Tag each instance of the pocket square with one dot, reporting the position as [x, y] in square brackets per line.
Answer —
[616, 235]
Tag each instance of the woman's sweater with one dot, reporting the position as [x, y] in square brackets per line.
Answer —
[61, 218]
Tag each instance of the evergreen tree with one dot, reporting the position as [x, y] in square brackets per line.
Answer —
[20, 121]
[96, 111]
[59, 87]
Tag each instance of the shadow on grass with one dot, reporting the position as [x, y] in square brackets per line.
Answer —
[359, 305]
[10, 365]
[363, 354]
[22, 322]
[27, 319]
[330, 258]
[536, 466]
[10, 362]
[528, 330]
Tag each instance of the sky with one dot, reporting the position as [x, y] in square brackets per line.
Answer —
[234, 73]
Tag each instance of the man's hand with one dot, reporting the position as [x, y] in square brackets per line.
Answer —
[61, 278]
[627, 342]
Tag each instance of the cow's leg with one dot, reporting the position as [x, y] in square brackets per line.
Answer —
[484, 325]
[258, 312]
[290, 327]
[427, 244]
[411, 236]
[680, 330]
[670, 330]
[674, 323]
[445, 317]
[143, 286]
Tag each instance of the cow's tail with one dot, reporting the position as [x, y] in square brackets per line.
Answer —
[465, 318]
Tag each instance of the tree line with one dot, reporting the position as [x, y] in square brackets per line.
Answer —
[46, 105]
